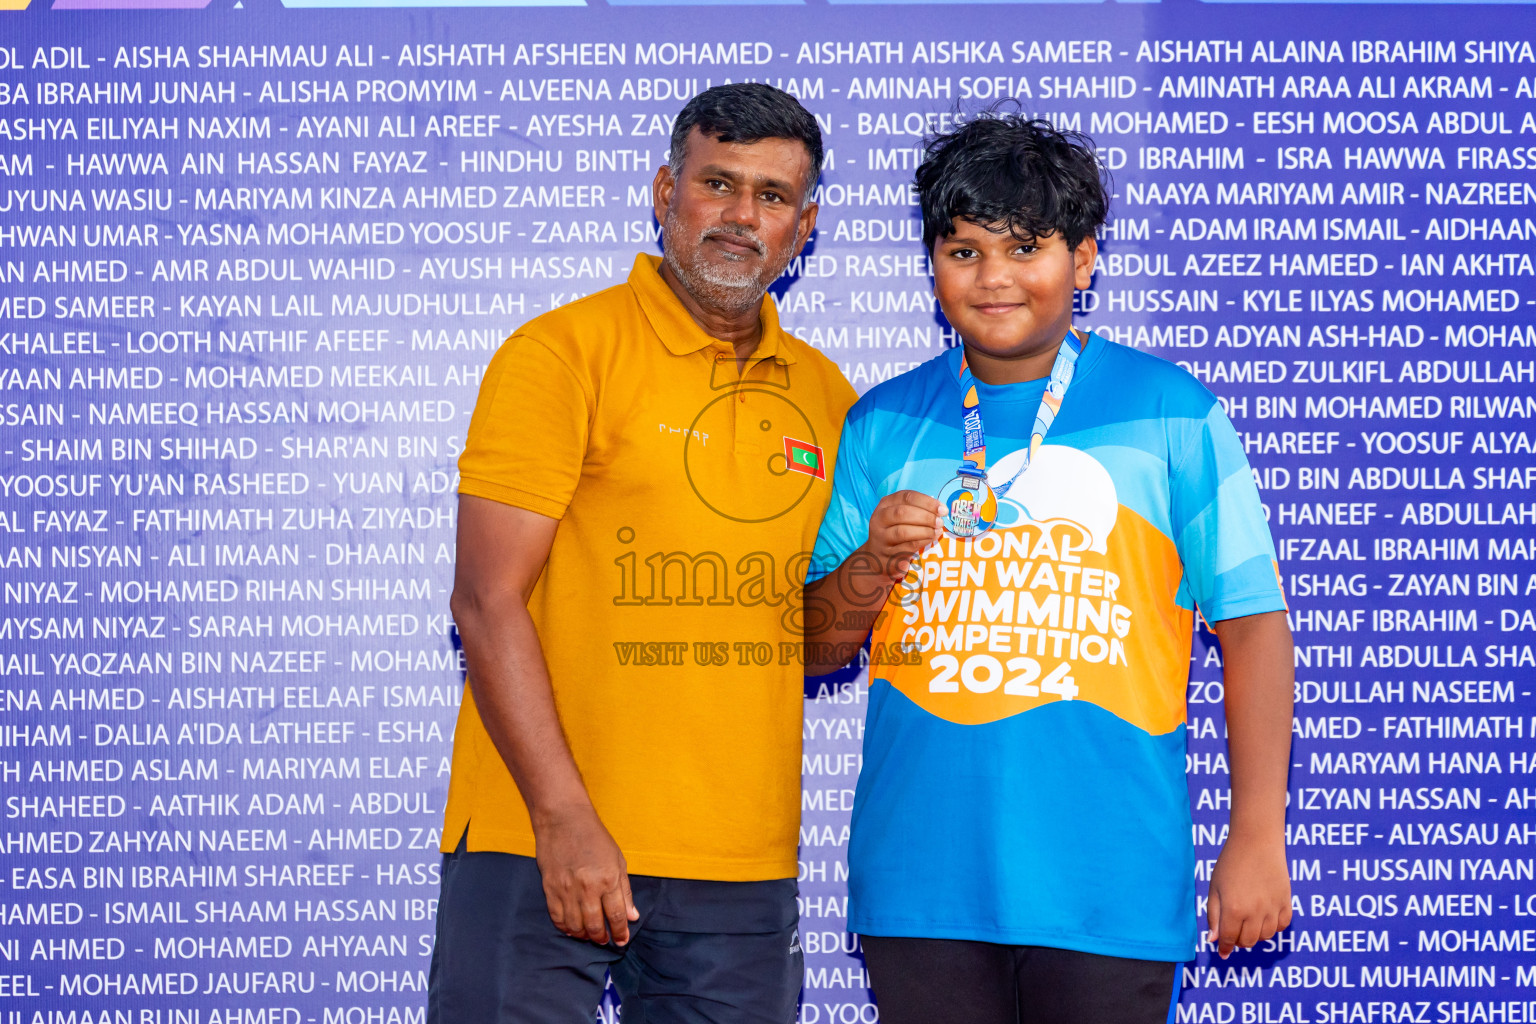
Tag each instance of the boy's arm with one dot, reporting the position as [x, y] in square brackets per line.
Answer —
[840, 608]
[1250, 895]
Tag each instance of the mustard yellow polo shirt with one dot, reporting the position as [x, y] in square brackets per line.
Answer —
[689, 497]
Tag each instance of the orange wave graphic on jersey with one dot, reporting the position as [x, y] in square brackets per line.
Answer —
[1030, 615]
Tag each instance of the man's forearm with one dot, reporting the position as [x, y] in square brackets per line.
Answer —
[512, 691]
[1260, 683]
[840, 610]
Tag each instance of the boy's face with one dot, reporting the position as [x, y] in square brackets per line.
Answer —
[1010, 300]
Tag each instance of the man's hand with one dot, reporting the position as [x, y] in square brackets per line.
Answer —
[502, 551]
[586, 881]
[1250, 898]
[903, 524]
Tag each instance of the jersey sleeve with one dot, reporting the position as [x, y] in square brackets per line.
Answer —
[845, 526]
[529, 432]
[1219, 526]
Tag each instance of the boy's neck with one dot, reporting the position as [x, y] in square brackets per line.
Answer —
[991, 369]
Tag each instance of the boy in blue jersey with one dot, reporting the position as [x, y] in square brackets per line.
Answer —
[1028, 524]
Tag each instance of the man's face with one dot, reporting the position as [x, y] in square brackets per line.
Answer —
[733, 216]
[1009, 298]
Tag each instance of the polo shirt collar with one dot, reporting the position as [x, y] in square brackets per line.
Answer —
[677, 329]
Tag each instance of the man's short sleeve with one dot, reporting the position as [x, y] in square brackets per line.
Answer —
[1219, 526]
[529, 433]
[846, 523]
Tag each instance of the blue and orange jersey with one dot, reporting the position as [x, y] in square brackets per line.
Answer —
[1023, 774]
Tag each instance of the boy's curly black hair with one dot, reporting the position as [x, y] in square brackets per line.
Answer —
[1015, 173]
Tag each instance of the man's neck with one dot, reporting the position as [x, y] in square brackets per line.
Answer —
[742, 329]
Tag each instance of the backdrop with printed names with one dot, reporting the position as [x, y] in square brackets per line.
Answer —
[254, 258]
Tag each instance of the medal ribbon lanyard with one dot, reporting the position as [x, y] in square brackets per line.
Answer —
[973, 463]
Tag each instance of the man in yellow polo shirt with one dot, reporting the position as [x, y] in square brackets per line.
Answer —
[645, 474]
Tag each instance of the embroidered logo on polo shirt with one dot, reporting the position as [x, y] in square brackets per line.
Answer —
[804, 458]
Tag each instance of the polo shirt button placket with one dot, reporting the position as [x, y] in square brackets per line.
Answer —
[720, 359]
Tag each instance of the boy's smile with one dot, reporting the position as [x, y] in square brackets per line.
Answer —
[1010, 300]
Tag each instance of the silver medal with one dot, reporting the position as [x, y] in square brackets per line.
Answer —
[970, 507]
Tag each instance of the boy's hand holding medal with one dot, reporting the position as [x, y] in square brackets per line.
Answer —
[903, 524]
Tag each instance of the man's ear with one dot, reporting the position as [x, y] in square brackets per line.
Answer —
[661, 192]
[1083, 258]
[806, 226]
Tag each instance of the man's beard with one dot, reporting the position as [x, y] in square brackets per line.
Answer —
[724, 286]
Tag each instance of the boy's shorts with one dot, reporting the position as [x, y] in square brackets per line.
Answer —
[953, 981]
[701, 951]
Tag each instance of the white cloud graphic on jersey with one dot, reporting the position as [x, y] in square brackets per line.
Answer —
[1061, 483]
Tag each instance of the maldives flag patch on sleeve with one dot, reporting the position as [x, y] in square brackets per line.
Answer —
[804, 458]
